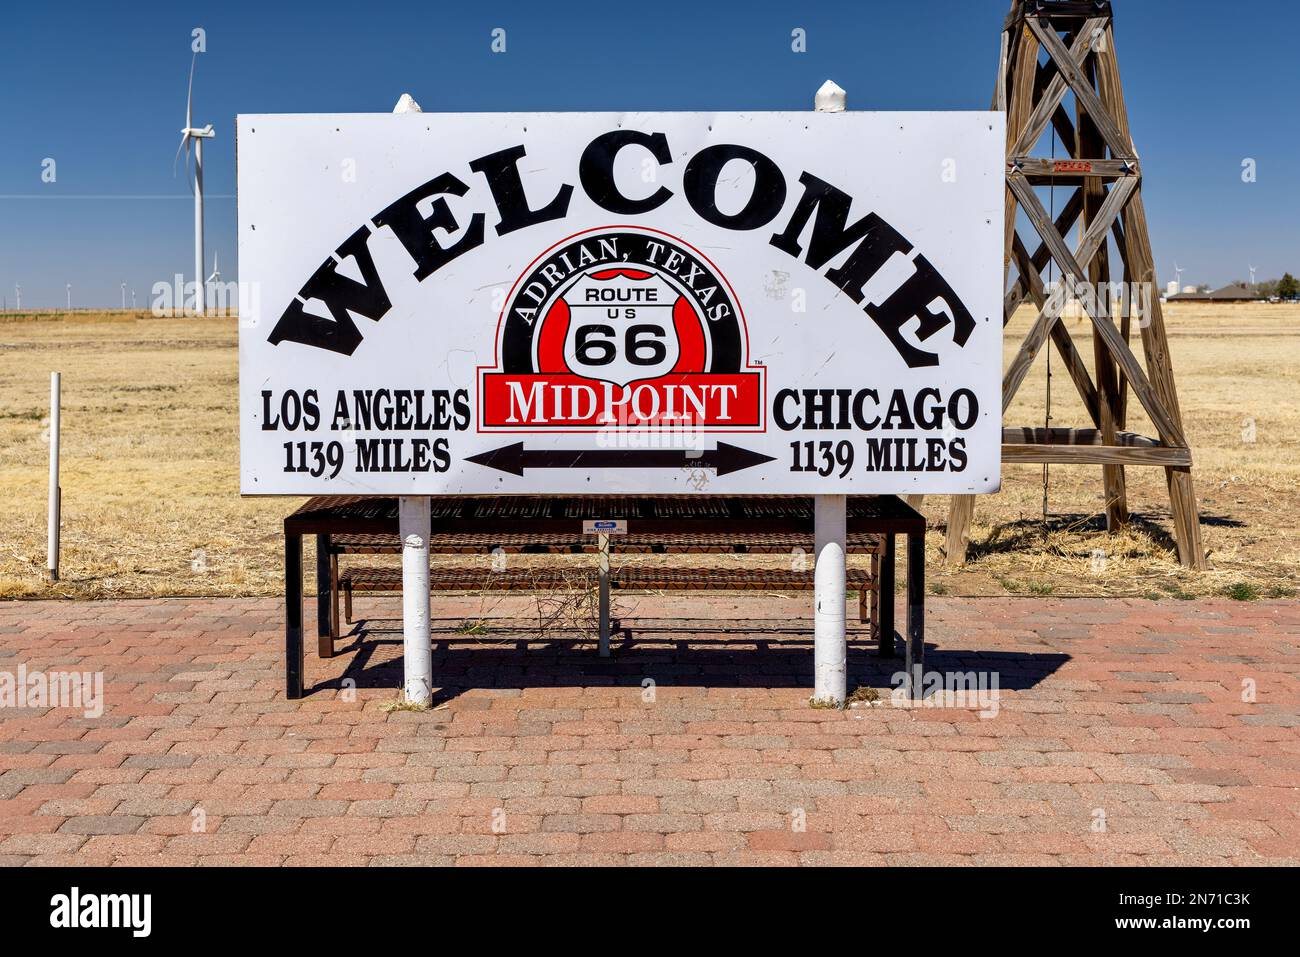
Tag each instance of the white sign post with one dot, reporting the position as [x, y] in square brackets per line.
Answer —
[803, 303]
[413, 514]
[830, 543]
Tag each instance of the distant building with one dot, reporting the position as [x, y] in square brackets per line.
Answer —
[1171, 288]
[1233, 293]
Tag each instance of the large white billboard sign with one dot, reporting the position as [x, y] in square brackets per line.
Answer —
[626, 303]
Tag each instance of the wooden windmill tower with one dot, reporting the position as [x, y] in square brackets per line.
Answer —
[1049, 48]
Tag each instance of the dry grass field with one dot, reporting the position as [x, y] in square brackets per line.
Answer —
[150, 468]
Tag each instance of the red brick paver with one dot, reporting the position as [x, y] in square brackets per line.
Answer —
[1126, 732]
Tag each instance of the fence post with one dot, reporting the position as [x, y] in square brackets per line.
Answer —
[55, 504]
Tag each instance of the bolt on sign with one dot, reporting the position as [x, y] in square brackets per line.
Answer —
[636, 303]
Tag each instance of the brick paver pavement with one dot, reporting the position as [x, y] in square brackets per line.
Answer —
[1125, 732]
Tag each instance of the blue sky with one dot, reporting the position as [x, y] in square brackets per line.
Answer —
[100, 88]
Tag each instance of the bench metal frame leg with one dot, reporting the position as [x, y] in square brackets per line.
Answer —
[334, 597]
[885, 599]
[916, 612]
[324, 623]
[293, 652]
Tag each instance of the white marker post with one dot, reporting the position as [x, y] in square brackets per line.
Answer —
[52, 534]
[413, 523]
[830, 515]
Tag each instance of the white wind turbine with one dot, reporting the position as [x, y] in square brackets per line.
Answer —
[192, 136]
[1252, 275]
[216, 273]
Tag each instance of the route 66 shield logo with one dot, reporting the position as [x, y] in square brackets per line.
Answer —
[621, 326]
[625, 328]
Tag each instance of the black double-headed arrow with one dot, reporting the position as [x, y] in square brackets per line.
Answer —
[515, 458]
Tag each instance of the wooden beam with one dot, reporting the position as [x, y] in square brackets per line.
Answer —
[1095, 455]
[1036, 435]
[1022, 444]
[1120, 144]
[961, 511]
[1004, 59]
[1170, 429]
[1027, 137]
[1020, 289]
[1019, 367]
[1016, 91]
[1061, 121]
[1109, 401]
[1060, 335]
[1141, 268]
[1063, 9]
[1073, 170]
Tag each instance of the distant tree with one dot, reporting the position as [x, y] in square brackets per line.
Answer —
[1203, 287]
[1266, 289]
[1287, 287]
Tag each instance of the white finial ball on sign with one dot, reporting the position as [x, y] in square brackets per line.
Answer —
[407, 104]
[831, 98]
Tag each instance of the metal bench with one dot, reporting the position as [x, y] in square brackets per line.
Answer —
[480, 525]
[461, 578]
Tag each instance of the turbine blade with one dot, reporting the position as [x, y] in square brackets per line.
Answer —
[189, 93]
[185, 138]
[188, 143]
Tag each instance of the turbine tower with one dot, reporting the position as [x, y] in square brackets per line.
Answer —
[193, 137]
[1178, 274]
[1252, 276]
[124, 295]
[18, 294]
[68, 287]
